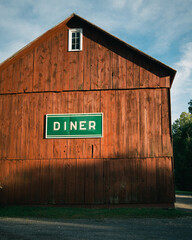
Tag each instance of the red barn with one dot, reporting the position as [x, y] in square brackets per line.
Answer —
[77, 70]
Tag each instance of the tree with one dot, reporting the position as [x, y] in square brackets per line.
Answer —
[190, 106]
[182, 149]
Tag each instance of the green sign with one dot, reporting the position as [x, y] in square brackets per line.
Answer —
[80, 125]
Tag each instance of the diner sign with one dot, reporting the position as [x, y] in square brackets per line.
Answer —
[76, 125]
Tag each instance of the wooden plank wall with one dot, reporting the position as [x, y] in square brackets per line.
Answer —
[132, 163]
[101, 65]
[86, 181]
[138, 125]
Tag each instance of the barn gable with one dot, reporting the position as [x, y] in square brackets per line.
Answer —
[131, 163]
[47, 60]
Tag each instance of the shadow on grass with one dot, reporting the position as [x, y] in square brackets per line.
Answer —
[85, 213]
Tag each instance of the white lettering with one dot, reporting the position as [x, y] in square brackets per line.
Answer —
[82, 125]
[92, 125]
[73, 125]
[56, 126]
[64, 126]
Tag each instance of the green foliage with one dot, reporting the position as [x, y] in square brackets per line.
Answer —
[183, 192]
[190, 106]
[182, 148]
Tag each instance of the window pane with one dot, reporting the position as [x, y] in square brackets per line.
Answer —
[73, 46]
[75, 38]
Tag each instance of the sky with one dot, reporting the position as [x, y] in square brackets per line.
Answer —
[160, 28]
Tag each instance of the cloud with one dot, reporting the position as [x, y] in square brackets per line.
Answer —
[118, 4]
[162, 22]
[156, 27]
[182, 85]
[13, 47]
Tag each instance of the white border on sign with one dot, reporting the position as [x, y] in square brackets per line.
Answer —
[76, 115]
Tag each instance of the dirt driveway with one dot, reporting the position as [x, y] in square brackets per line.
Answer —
[183, 202]
[131, 229]
[137, 229]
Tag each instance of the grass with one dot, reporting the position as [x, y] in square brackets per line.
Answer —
[85, 213]
[183, 192]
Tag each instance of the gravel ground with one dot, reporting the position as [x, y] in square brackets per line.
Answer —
[184, 202]
[137, 229]
[113, 229]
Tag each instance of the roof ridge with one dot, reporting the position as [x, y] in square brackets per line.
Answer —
[59, 25]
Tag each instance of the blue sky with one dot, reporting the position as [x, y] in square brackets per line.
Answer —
[160, 28]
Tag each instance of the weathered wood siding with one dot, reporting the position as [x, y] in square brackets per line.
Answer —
[132, 163]
[87, 181]
[102, 64]
[136, 124]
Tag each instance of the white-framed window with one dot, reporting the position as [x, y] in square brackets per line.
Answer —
[75, 39]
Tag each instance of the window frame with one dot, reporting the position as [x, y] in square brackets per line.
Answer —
[75, 30]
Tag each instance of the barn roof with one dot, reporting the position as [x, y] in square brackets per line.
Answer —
[47, 34]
